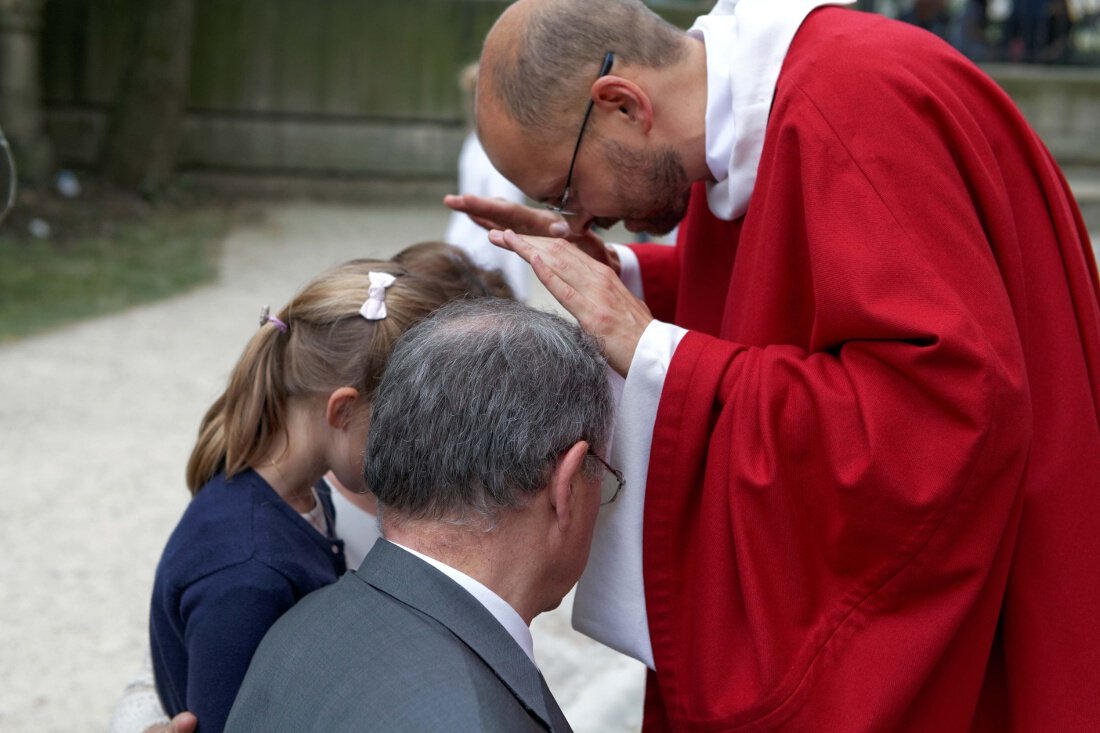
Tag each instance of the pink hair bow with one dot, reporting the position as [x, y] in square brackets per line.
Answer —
[374, 307]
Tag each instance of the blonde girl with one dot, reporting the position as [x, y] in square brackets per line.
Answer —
[258, 534]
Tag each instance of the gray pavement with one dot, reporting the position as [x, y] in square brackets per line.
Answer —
[96, 423]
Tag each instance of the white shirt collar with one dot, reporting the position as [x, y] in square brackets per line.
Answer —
[316, 516]
[746, 43]
[506, 615]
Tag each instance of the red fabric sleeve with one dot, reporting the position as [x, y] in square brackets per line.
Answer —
[660, 273]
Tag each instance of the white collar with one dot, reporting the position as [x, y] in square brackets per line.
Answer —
[746, 42]
[494, 604]
[316, 516]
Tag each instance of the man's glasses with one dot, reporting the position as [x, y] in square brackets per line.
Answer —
[7, 177]
[612, 483]
[560, 207]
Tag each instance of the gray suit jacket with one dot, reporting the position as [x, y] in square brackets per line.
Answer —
[397, 646]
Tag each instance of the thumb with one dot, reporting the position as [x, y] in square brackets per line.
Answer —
[185, 722]
[559, 229]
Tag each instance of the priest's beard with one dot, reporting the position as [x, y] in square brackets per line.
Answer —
[653, 184]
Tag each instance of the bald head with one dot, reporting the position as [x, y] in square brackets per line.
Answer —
[541, 56]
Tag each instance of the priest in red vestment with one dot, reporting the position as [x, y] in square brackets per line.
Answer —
[860, 421]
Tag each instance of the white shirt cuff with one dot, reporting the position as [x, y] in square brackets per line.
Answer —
[610, 601]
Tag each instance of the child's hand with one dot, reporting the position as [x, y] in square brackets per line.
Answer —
[185, 722]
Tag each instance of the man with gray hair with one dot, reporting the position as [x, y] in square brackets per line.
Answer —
[484, 453]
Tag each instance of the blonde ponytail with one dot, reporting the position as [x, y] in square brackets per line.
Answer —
[238, 428]
[319, 342]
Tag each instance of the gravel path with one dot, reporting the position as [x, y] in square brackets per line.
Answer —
[96, 422]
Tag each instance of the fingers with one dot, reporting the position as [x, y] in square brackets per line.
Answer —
[484, 223]
[590, 290]
[183, 723]
[562, 267]
[486, 213]
[595, 248]
[498, 213]
[554, 262]
[497, 237]
[562, 291]
[559, 252]
[524, 246]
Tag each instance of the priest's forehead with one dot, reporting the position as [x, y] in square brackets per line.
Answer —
[533, 163]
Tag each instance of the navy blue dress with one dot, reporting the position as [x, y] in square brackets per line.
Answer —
[239, 558]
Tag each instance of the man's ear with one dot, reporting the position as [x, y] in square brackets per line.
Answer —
[341, 407]
[624, 100]
[568, 474]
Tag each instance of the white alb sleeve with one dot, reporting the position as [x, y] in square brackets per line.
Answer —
[609, 605]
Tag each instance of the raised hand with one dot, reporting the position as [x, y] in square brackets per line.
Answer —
[588, 289]
[493, 213]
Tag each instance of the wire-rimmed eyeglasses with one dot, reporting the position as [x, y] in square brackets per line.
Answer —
[612, 483]
[560, 207]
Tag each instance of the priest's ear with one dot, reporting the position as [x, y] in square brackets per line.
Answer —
[623, 101]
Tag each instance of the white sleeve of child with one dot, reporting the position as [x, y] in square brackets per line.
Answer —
[139, 707]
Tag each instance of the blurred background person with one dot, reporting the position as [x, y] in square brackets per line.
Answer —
[931, 15]
[1038, 31]
[970, 35]
[477, 175]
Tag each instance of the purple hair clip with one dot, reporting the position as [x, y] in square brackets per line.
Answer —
[266, 317]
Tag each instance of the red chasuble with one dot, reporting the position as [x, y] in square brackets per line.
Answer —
[874, 487]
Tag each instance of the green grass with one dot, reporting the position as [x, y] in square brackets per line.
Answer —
[46, 283]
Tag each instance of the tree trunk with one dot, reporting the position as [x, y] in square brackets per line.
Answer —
[20, 95]
[139, 151]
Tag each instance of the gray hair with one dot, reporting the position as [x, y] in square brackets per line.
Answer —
[475, 408]
[546, 78]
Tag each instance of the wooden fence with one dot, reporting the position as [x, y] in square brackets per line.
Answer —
[364, 89]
